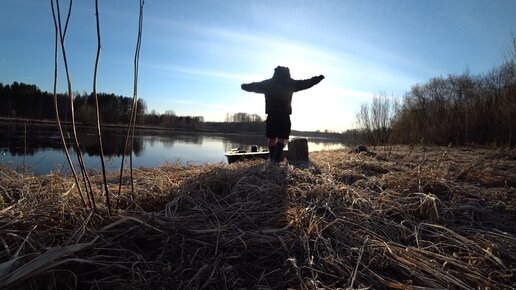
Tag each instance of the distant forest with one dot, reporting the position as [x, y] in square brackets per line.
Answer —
[457, 109]
[27, 101]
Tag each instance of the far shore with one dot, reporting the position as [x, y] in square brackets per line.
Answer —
[320, 135]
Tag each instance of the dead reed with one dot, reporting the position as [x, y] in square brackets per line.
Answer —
[409, 218]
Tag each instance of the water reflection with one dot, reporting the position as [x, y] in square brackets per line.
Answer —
[38, 148]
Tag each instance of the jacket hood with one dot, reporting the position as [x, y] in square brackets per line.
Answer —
[281, 72]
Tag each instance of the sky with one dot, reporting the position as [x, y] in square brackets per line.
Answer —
[195, 54]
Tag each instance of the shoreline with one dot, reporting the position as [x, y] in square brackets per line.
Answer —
[160, 129]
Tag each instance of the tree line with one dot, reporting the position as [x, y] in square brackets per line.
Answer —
[170, 120]
[234, 123]
[27, 101]
[458, 109]
[241, 117]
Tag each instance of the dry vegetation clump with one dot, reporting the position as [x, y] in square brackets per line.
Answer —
[408, 218]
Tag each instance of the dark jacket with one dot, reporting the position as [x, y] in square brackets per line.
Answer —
[278, 91]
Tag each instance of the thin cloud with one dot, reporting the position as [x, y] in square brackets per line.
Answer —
[197, 71]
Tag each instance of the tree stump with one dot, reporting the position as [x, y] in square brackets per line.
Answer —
[298, 149]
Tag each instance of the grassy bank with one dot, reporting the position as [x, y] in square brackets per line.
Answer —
[408, 217]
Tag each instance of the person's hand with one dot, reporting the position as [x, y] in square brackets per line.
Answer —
[321, 77]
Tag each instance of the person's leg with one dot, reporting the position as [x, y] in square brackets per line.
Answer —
[272, 146]
[278, 149]
[270, 132]
[283, 127]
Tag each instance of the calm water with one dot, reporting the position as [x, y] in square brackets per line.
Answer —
[38, 149]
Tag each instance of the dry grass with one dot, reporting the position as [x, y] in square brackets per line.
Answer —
[409, 218]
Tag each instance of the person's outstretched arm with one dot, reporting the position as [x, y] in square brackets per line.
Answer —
[306, 84]
[257, 87]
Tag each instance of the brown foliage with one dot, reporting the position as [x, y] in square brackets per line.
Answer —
[458, 109]
[413, 218]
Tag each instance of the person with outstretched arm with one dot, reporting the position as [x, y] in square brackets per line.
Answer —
[278, 92]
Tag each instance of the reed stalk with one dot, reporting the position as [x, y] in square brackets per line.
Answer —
[97, 111]
[84, 173]
[132, 121]
[24, 146]
[56, 107]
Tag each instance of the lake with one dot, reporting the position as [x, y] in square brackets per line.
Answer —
[38, 149]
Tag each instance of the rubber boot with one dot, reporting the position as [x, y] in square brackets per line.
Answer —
[277, 152]
[271, 152]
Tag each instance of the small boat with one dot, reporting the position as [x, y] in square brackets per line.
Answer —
[236, 154]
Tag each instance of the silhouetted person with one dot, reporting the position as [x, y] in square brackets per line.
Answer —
[278, 92]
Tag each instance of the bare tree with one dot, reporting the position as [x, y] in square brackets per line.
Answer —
[374, 122]
[461, 109]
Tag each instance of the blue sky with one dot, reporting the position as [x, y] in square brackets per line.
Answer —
[195, 54]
